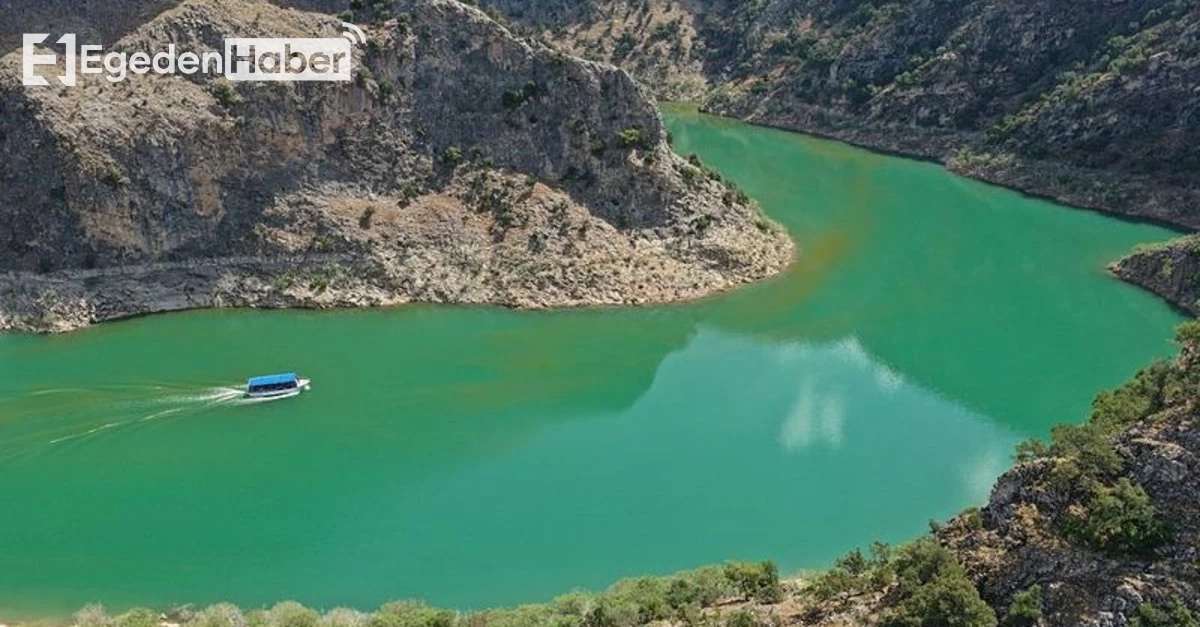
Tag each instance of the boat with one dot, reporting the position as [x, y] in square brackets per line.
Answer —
[276, 386]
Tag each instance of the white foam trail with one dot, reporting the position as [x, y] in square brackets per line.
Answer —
[54, 391]
[209, 398]
[88, 432]
[165, 412]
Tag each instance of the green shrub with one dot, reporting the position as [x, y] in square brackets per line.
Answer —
[114, 178]
[137, 617]
[932, 589]
[853, 574]
[634, 137]
[1085, 455]
[292, 614]
[1176, 614]
[1031, 449]
[1025, 609]
[452, 156]
[226, 614]
[759, 582]
[92, 616]
[1116, 409]
[1118, 519]
[225, 95]
[741, 618]
[410, 614]
[973, 518]
[385, 90]
[1188, 333]
[411, 189]
[515, 98]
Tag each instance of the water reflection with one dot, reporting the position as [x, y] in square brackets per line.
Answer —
[813, 418]
[475, 457]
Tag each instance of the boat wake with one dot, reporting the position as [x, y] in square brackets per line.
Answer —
[36, 419]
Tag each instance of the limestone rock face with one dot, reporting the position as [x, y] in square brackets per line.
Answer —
[461, 165]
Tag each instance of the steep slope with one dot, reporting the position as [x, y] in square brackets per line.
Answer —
[1170, 269]
[462, 165]
[100, 21]
[1106, 520]
[1093, 103]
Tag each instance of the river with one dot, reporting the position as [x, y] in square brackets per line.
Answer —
[475, 457]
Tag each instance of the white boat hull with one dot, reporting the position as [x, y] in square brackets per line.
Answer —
[301, 385]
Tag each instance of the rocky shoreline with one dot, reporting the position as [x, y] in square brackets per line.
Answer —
[1170, 269]
[462, 165]
[1126, 195]
[1091, 106]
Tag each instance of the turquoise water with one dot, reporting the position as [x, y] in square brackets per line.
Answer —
[474, 457]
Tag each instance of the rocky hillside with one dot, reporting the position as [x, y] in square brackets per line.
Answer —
[462, 165]
[1091, 102]
[1171, 270]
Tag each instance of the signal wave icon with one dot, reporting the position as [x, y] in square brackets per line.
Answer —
[353, 34]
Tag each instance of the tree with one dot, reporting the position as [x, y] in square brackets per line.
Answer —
[292, 614]
[932, 590]
[1025, 609]
[1118, 519]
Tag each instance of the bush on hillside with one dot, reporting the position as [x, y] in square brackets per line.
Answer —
[758, 582]
[292, 614]
[741, 618]
[1175, 614]
[1025, 609]
[1118, 519]
[932, 589]
[411, 614]
[137, 617]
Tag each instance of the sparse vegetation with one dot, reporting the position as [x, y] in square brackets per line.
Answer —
[1108, 511]
[635, 138]
[452, 156]
[114, 178]
[225, 95]
[517, 98]
[1025, 609]
[1117, 519]
[684, 596]
[932, 589]
[1173, 614]
[929, 587]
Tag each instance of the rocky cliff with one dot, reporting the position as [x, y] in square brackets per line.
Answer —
[461, 165]
[1093, 103]
[1171, 270]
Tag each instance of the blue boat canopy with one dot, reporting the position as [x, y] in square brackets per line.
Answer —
[273, 379]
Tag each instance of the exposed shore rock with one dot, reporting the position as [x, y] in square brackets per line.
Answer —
[463, 165]
[1171, 270]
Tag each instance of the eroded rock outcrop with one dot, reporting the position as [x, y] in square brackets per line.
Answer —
[1171, 270]
[462, 165]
